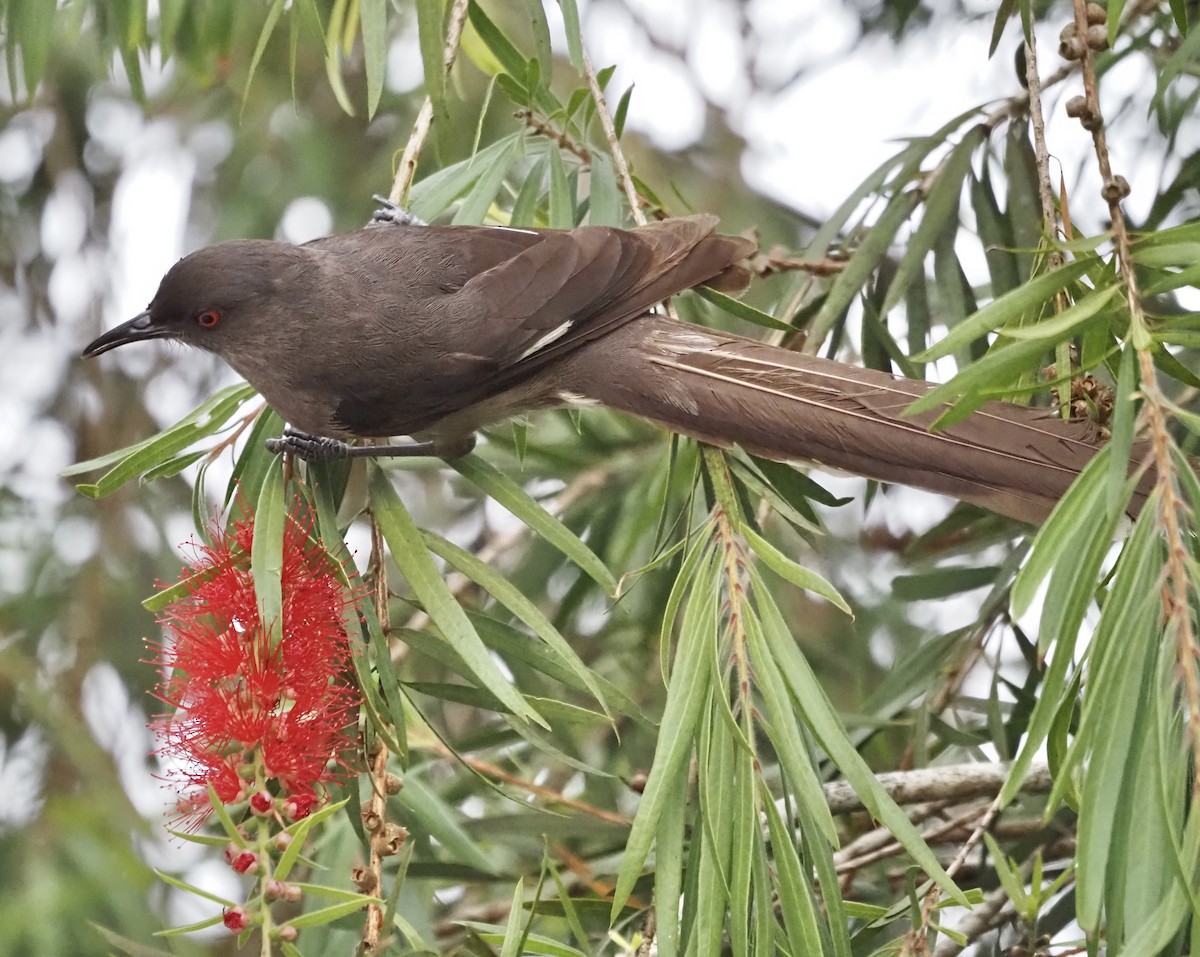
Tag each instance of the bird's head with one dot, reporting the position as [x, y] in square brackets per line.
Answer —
[212, 298]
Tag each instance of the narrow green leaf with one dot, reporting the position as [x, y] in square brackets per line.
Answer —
[538, 27]
[1056, 541]
[327, 915]
[574, 31]
[524, 210]
[430, 24]
[686, 696]
[511, 598]
[940, 210]
[735, 307]
[785, 734]
[995, 232]
[795, 887]
[604, 208]
[475, 207]
[333, 68]
[207, 418]
[562, 202]
[793, 571]
[437, 191]
[273, 14]
[821, 717]
[192, 888]
[501, 47]
[440, 821]
[863, 263]
[266, 553]
[491, 481]
[373, 17]
[1003, 14]
[1009, 308]
[409, 553]
[1057, 328]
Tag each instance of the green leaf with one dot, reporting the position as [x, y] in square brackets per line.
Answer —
[863, 263]
[273, 14]
[437, 191]
[785, 734]
[793, 571]
[1009, 308]
[373, 17]
[440, 821]
[942, 582]
[604, 206]
[795, 886]
[574, 31]
[686, 696]
[409, 553]
[735, 307]
[940, 210]
[430, 24]
[192, 889]
[327, 915]
[475, 207]
[1057, 328]
[562, 202]
[491, 481]
[208, 417]
[333, 69]
[266, 553]
[1003, 14]
[540, 30]
[810, 699]
[511, 598]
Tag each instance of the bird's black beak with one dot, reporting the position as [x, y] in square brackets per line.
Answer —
[136, 329]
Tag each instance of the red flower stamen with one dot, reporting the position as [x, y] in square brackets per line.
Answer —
[242, 705]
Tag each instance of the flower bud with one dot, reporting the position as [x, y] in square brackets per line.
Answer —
[245, 863]
[261, 803]
[296, 807]
[236, 919]
[287, 933]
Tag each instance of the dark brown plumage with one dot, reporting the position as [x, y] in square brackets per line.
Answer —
[434, 332]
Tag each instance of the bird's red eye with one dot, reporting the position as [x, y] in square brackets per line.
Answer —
[208, 318]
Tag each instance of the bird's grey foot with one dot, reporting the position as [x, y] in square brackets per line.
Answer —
[320, 448]
[389, 212]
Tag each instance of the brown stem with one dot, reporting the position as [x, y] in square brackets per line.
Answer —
[1170, 505]
[420, 131]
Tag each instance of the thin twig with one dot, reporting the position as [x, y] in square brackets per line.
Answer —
[1170, 506]
[375, 813]
[420, 131]
[614, 145]
[949, 782]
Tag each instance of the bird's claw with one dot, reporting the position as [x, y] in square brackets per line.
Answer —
[310, 448]
[395, 215]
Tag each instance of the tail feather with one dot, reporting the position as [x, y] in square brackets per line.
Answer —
[725, 390]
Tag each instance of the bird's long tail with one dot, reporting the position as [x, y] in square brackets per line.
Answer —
[725, 390]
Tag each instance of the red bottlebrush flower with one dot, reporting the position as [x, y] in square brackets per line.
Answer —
[237, 701]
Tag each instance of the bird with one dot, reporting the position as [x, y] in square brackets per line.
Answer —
[434, 332]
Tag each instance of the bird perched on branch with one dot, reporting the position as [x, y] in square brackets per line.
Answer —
[433, 332]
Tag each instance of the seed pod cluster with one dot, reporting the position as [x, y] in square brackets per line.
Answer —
[1071, 46]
